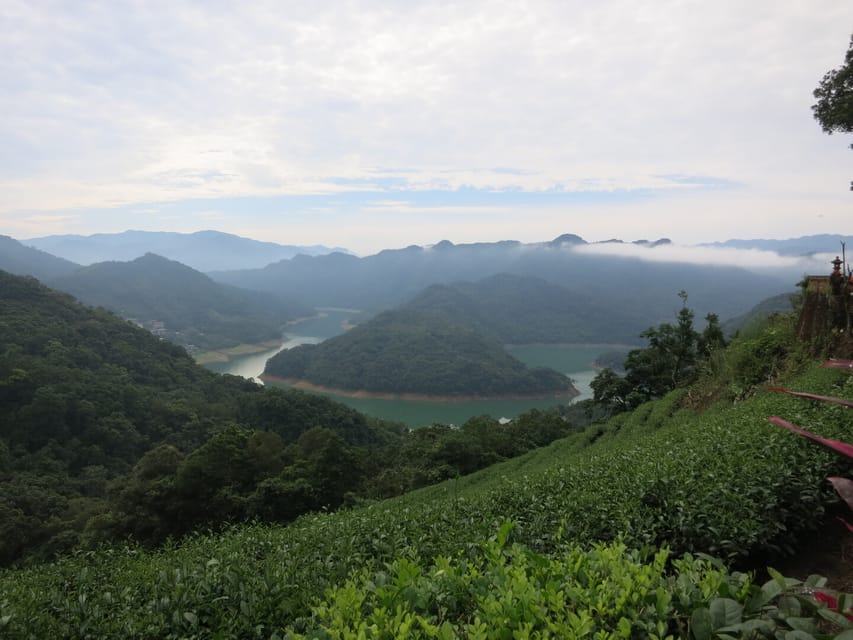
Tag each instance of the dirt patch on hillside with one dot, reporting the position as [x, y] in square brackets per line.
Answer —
[829, 554]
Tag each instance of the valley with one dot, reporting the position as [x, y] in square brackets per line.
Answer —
[574, 361]
[115, 434]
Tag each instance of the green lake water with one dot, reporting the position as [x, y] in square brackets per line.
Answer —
[575, 361]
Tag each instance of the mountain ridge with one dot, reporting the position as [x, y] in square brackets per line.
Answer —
[393, 276]
[19, 259]
[181, 303]
[204, 250]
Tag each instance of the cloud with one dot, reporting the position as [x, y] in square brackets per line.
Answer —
[107, 104]
[753, 259]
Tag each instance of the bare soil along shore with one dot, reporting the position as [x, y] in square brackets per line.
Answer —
[569, 392]
[224, 355]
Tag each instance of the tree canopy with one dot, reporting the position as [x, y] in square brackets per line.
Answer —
[407, 350]
[108, 432]
[670, 360]
[834, 106]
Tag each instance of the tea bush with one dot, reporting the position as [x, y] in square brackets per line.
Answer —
[724, 482]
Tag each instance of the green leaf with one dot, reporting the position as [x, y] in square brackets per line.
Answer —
[768, 591]
[725, 612]
[815, 580]
[845, 635]
[190, 617]
[781, 580]
[790, 606]
[747, 627]
[835, 618]
[701, 624]
[798, 635]
[801, 624]
[445, 631]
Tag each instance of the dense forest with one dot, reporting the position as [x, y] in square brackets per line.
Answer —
[419, 351]
[524, 310]
[107, 431]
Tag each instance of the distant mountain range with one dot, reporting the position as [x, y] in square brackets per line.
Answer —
[574, 294]
[180, 303]
[803, 246]
[202, 250]
[641, 288]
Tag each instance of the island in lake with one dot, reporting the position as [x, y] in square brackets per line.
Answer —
[414, 353]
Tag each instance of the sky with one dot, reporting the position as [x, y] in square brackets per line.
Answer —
[372, 124]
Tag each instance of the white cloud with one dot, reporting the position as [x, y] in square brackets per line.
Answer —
[753, 259]
[127, 102]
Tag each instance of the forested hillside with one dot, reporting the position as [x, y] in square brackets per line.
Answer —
[107, 431]
[515, 547]
[417, 351]
[27, 261]
[523, 310]
[180, 303]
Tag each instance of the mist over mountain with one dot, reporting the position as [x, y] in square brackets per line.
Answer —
[202, 250]
[523, 310]
[180, 303]
[802, 246]
[645, 288]
[782, 303]
[20, 259]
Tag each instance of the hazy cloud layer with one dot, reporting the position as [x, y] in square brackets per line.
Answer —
[685, 119]
[752, 259]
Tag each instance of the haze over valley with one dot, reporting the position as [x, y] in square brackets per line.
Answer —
[565, 306]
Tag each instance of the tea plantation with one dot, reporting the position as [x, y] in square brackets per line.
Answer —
[599, 535]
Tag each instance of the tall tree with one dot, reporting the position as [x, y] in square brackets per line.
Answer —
[834, 106]
[668, 362]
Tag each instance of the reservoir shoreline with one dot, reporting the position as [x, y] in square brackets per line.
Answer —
[225, 355]
[304, 385]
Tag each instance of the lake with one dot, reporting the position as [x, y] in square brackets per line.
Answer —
[329, 323]
[575, 361]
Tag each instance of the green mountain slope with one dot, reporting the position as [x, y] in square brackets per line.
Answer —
[724, 482]
[27, 261]
[522, 310]
[107, 431]
[415, 351]
[777, 304]
[180, 303]
[85, 397]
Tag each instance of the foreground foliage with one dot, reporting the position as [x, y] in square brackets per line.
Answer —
[724, 482]
[834, 107]
[495, 589]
